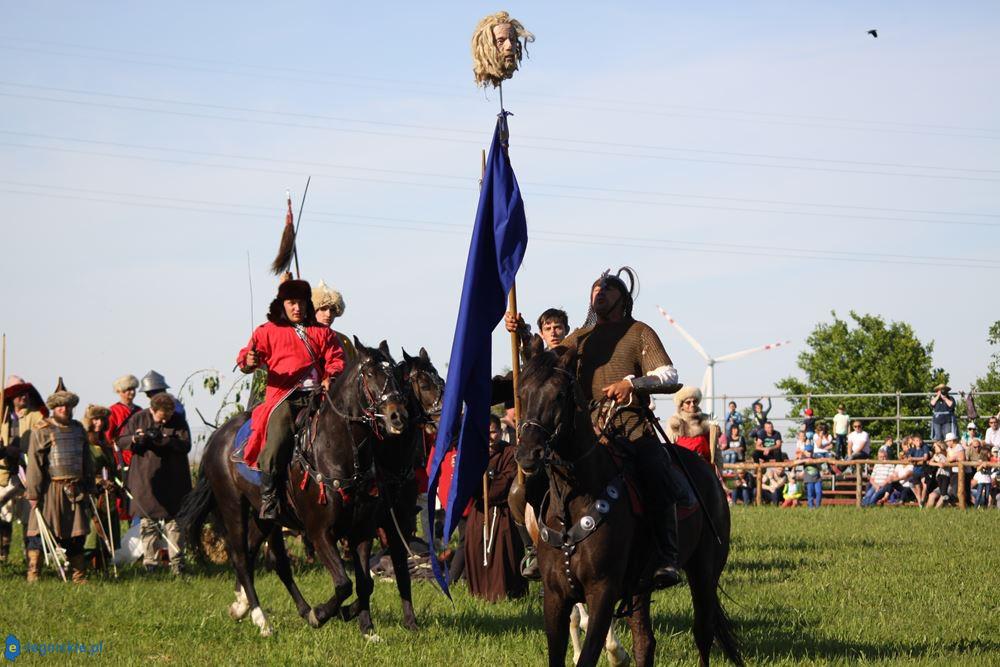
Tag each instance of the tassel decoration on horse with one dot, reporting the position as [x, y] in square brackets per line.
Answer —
[286, 248]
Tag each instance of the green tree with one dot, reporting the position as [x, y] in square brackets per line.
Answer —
[990, 381]
[866, 355]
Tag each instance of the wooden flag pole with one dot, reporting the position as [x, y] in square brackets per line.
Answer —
[515, 367]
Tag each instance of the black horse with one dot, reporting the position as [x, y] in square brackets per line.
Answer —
[396, 459]
[592, 548]
[330, 493]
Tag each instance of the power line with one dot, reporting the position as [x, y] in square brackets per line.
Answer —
[538, 233]
[626, 106]
[579, 197]
[585, 187]
[570, 140]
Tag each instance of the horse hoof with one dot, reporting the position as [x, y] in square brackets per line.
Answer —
[238, 611]
[312, 620]
[260, 620]
[349, 612]
[411, 625]
[619, 658]
[373, 638]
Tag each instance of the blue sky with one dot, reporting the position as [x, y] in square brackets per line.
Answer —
[759, 164]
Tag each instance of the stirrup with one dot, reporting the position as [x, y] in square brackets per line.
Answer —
[529, 567]
[666, 576]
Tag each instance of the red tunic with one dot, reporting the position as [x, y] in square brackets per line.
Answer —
[288, 363]
[696, 443]
[119, 415]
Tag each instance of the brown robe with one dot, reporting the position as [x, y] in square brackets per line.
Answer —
[501, 578]
[159, 476]
[63, 503]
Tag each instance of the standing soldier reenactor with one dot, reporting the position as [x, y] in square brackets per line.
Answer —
[159, 476]
[24, 408]
[125, 387]
[59, 476]
[95, 423]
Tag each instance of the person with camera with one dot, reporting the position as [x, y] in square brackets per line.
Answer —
[159, 477]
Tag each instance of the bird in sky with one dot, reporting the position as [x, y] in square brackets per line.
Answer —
[874, 33]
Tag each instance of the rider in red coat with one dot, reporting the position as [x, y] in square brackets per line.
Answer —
[299, 356]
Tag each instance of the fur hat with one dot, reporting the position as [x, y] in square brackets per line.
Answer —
[95, 412]
[291, 289]
[324, 297]
[61, 399]
[125, 383]
[686, 392]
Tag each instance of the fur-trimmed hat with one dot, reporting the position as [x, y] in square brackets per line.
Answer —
[95, 412]
[324, 297]
[291, 289]
[126, 382]
[61, 399]
[686, 392]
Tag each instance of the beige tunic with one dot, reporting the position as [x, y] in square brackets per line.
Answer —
[63, 502]
[26, 422]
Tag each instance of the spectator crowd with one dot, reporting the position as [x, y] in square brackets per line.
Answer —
[912, 471]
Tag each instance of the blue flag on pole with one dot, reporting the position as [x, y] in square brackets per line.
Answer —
[499, 238]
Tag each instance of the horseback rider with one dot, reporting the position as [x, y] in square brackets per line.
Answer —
[623, 360]
[300, 356]
[329, 305]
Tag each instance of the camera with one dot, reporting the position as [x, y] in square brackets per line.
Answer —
[153, 435]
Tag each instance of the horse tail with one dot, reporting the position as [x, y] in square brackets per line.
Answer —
[725, 634]
[195, 509]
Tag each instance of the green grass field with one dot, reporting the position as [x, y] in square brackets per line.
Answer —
[836, 586]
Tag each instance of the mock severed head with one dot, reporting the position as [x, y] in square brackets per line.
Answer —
[498, 45]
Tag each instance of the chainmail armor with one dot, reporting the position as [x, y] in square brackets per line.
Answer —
[608, 353]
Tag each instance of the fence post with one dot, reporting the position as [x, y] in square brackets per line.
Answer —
[760, 485]
[809, 400]
[857, 485]
[961, 485]
[899, 415]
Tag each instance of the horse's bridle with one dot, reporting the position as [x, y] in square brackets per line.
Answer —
[551, 458]
[376, 400]
[435, 379]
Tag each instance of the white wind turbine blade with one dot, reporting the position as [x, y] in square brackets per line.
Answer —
[688, 337]
[743, 353]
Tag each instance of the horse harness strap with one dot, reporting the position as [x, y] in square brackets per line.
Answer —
[363, 480]
[568, 540]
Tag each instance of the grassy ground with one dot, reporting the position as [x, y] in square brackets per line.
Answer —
[834, 586]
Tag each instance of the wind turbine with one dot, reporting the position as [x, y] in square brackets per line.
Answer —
[708, 382]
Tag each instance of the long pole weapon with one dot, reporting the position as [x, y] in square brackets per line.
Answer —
[101, 533]
[3, 377]
[53, 548]
[295, 248]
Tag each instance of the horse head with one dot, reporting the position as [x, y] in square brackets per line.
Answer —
[548, 393]
[377, 393]
[421, 381]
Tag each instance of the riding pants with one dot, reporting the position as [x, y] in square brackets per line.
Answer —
[280, 439]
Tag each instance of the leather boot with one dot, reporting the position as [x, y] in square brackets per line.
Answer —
[4, 548]
[268, 497]
[665, 537]
[529, 564]
[34, 565]
[78, 565]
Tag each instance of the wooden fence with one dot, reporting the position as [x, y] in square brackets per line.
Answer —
[857, 465]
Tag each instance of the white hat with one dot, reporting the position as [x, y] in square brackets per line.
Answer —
[972, 425]
[950, 437]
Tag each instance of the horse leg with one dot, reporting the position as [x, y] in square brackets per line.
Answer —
[255, 538]
[361, 607]
[641, 625]
[326, 549]
[284, 569]
[242, 557]
[401, 568]
[577, 622]
[557, 612]
[617, 655]
[600, 607]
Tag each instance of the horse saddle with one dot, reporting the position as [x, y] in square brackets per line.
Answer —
[686, 501]
[251, 475]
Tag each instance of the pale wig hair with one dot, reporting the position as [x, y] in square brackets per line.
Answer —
[487, 64]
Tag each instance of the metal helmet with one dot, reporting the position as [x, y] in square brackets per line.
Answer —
[153, 381]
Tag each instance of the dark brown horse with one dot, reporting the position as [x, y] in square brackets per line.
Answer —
[331, 492]
[593, 549]
[396, 459]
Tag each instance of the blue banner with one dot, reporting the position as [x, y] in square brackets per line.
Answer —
[499, 238]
